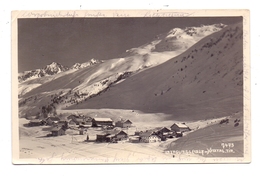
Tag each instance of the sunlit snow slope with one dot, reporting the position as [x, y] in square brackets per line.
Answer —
[205, 81]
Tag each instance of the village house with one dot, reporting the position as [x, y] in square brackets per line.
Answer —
[78, 120]
[57, 131]
[112, 136]
[87, 122]
[102, 137]
[164, 133]
[98, 122]
[180, 127]
[52, 120]
[149, 137]
[116, 136]
[36, 122]
[85, 125]
[123, 123]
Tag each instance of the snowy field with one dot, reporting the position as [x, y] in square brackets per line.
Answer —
[73, 147]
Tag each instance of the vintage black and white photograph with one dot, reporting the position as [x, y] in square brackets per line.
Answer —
[164, 87]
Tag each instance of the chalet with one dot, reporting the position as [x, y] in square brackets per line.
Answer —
[110, 136]
[52, 120]
[96, 122]
[123, 123]
[149, 137]
[77, 120]
[36, 122]
[162, 131]
[116, 136]
[102, 137]
[180, 127]
[57, 131]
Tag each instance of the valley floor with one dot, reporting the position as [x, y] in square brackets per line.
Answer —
[73, 148]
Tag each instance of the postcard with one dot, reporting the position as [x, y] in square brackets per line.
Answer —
[131, 86]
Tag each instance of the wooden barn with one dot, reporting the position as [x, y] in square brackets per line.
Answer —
[111, 136]
[123, 123]
[162, 131]
[57, 131]
[98, 122]
[102, 137]
[77, 120]
[117, 136]
[180, 127]
[52, 120]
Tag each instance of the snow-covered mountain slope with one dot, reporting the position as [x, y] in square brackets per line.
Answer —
[51, 69]
[178, 38]
[29, 80]
[86, 64]
[206, 81]
[136, 59]
[79, 85]
[31, 84]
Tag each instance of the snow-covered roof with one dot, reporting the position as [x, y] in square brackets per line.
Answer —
[111, 135]
[162, 129]
[125, 121]
[103, 119]
[111, 132]
[181, 125]
[146, 134]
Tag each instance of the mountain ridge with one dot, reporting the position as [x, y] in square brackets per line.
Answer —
[52, 69]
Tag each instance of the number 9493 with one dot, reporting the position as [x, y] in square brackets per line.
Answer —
[227, 145]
